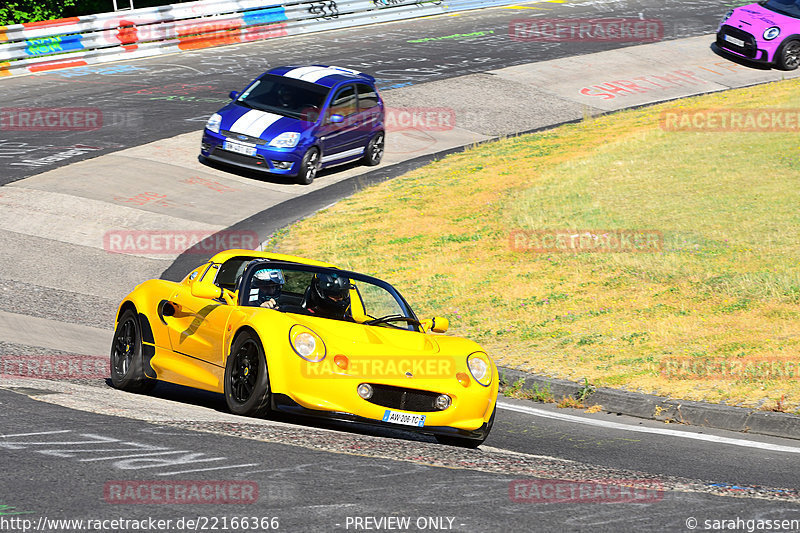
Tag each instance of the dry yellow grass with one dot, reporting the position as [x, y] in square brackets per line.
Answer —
[726, 285]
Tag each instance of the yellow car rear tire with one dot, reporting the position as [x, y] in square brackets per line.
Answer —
[126, 355]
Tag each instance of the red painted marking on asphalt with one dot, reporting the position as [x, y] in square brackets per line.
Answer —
[53, 65]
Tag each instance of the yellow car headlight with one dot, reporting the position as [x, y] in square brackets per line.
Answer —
[480, 367]
[306, 343]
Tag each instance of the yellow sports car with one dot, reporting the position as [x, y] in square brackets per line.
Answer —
[276, 332]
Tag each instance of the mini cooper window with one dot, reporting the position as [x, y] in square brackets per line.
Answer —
[784, 7]
[344, 103]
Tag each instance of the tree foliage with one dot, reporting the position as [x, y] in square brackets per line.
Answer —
[19, 11]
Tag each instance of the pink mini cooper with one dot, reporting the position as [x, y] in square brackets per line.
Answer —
[767, 32]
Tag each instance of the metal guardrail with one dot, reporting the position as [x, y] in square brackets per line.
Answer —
[89, 39]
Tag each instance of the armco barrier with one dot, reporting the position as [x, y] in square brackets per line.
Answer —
[80, 41]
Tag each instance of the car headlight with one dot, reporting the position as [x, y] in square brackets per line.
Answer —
[771, 33]
[306, 343]
[728, 15]
[288, 139]
[480, 367]
[214, 122]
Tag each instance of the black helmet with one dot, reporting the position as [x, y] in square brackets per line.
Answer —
[331, 292]
[285, 95]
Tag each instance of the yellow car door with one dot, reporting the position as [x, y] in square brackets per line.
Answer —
[197, 330]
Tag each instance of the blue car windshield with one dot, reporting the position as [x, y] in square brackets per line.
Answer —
[285, 96]
[790, 8]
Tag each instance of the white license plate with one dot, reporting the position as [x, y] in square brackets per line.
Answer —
[239, 148]
[407, 419]
[734, 40]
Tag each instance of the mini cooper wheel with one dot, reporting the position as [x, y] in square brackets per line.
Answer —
[308, 167]
[126, 356]
[463, 442]
[374, 151]
[247, 390]
[789, 56]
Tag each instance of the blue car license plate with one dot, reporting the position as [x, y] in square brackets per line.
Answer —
[239, 148]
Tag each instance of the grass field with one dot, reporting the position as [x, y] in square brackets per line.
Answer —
[724, 287]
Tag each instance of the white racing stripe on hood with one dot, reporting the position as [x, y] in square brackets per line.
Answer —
[254, 122]
[312, 74]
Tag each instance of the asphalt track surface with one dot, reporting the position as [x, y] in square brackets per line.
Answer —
[308, 476]
[145, 100]
[313, 478]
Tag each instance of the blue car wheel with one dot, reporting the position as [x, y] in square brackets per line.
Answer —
[308, 167]
[374, 152]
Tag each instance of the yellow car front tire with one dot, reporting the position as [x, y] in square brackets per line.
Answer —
[247, 390]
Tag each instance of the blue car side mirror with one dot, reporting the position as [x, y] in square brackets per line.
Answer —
[233, 95]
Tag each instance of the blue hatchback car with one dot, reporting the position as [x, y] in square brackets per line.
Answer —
[296, 120]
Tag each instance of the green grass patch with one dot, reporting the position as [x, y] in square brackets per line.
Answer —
[725, 282]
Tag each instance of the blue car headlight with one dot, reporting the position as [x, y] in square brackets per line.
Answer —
[214, 122]
[288, 139]
[771, 33]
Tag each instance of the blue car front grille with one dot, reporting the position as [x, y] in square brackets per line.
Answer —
[241, 137]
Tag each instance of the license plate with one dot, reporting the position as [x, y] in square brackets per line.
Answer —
[239, 148]
[407, 419]
[734, 40]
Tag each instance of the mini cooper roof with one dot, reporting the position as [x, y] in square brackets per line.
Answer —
[324, 75]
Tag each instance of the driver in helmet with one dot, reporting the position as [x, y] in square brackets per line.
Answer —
[286, 97]
[266, 288]
[328, 296]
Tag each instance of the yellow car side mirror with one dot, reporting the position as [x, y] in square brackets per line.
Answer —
[208, 291]
[436, 324]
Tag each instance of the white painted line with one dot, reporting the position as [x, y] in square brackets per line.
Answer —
[205, 469]
[641, 429]
[211, 460]
[116, 457]
[37, 433]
